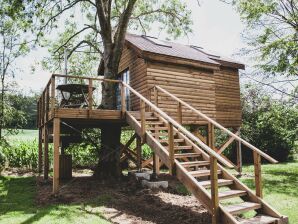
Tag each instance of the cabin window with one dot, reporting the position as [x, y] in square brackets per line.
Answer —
[124, 77]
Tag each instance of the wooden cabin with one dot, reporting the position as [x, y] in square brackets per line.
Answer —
[207, 81]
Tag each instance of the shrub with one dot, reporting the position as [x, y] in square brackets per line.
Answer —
[2, 160]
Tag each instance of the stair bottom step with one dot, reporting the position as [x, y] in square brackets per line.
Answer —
[242, 207]
[260, 219]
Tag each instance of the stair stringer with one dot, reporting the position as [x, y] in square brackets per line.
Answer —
[192, 184]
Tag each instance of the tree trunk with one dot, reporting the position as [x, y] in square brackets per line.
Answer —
[2, 107]
[108, 167]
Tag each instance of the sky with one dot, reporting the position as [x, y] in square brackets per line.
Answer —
[216, 27]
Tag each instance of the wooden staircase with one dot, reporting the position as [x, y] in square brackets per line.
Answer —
[198, 167]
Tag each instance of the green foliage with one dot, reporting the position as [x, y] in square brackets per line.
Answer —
[83, 155]
[2, 160]
[271, 33]
[270, 125]
[23, 154]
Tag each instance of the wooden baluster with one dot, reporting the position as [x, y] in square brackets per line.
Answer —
[40, 137]
[46, 152]
[53, 99]
[171, 148]
[211, 137]
[48, 102]
[258, 175]
[90, 95]
[143, 120]
[179, 113]
[214, 190]
[123, 100]
[239, 157]
[155, 96]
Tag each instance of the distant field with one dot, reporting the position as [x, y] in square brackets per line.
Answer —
[23, 135]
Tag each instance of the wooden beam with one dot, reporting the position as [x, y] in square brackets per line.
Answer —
[40, 138]
[171, 148]
[56, 141]
[239, 156]
[155, 96]
[214, 190]
[139, 152]
[258, 175]
[227, 143]
[46, 153]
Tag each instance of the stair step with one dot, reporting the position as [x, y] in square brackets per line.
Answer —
[187, 155]
[157, 128]
[178, 140]
[242, 207]
[260, 219]
[221, 182]
[182, 147]
[155, 123]
[195, 163]
[231, 194]
[202, 173]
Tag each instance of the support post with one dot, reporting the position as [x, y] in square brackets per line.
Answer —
[139, 153]
[179, 113]
[156, 165]
[258, 175]
[46, 153]
[214, 190]
[56, 141]
[40, 138]
[123, 101]
[171, 148]
[143, 120]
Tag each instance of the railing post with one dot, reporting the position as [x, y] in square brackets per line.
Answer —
[239, 155]
[40, 134]
[53, 90]
[155, 96]
[258, 175]
[123, 100]
[171, 148]
[143, 120]
[179, 113]
[214, 190]
[90, 97]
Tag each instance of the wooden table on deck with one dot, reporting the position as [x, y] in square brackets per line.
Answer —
[78, 95]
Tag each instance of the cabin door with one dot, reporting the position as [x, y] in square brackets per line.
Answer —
[124, 77]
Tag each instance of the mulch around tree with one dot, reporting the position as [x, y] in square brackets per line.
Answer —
[126, 202]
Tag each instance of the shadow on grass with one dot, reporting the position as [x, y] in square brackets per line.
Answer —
[277, 181]
[17, 196]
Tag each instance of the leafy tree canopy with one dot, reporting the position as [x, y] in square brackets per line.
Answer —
[272, 34]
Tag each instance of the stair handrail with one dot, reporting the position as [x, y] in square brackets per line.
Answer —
[179, 127]
[266, 156]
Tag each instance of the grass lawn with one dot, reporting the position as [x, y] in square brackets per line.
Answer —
[17, 198]
[280, 187]
[17, 206]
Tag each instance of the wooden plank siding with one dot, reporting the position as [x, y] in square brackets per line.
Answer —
[137, 69]
[227, 97]
[192, 85]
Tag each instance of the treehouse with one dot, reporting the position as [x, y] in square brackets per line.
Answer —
[173, 97]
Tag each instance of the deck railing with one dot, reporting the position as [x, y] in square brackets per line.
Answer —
[257, 153]
[50, 98]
